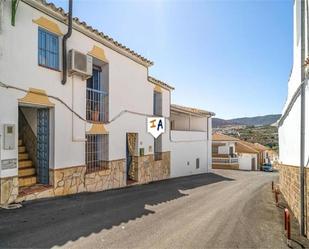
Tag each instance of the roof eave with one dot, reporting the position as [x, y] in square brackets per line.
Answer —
[60, 15]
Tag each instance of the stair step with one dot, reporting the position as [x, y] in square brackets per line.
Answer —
[24, 164]
[26, 172]
[20, 142]
[21, 149]
[26, 181]
[23, 156]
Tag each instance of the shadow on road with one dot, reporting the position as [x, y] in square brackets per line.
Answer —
[54, 222]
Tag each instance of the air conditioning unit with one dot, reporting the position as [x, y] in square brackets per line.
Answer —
[80, 64]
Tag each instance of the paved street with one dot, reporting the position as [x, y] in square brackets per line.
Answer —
[223, 209]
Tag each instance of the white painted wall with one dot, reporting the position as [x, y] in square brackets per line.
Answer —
[289, 132]
[186, 146]
[225, 149]
[184, 122]
[129, 89]
[245, 160]
[31, 116]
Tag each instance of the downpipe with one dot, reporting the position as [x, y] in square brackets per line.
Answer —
[64, 44]
[302, 157]
[304, 76]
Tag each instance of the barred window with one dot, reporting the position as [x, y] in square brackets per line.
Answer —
[95, 97]
[48, 53]
[96, 152]
[158, 148]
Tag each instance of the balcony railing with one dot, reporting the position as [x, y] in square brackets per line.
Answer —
[222, 160]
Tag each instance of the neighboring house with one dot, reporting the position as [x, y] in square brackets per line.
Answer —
[263, 153]
[224, 152]
[190, 140]
[232, 153]
[84, 131]
[294, 124]
[247, 156]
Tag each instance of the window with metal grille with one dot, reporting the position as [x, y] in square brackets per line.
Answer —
[48, 54]
[158, 148]
[96, 152]
[157, 103]
[95, 97]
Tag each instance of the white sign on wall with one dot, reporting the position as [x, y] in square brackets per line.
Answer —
[156, 126]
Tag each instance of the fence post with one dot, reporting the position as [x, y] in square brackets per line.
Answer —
[287, 226]
[276, 197]
[272, 186]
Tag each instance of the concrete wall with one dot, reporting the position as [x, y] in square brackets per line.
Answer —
[186, 147]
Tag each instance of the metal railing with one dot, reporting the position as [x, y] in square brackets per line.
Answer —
[222, 160]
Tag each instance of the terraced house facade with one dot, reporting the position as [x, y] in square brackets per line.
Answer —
[74, 106]
[86, 131]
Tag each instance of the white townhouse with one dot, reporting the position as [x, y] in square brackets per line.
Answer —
[74, 105]
[191, 138]
[294, 123]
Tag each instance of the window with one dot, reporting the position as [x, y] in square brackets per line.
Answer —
[95, 97]
[231, 150]
[96, 152]
[158, 148]
[157, 103]
[48, 49]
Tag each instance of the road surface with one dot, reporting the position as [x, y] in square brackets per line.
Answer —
[223, 209]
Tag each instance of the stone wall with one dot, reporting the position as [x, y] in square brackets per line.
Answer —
[113, 177]
[8, 190]
[68, 180]
[150, 170]
[289, 183]
[289, 187]
[72, 180]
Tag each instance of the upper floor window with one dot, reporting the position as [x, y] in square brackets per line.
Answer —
[95, 96]
[48, 49]
[157, 103]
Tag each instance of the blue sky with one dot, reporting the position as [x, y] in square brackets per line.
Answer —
[230, 57]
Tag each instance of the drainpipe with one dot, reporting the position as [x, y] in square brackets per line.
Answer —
[64, 44]
[302, 124]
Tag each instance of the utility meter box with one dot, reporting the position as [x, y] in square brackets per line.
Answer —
[9, 137]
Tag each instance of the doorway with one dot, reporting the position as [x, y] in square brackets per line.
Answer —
[253, 163]
[33, 145]
[131, 159]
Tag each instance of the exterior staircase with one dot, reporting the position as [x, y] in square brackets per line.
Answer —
[26, 168]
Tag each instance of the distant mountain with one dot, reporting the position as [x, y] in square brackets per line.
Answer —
[252, 121]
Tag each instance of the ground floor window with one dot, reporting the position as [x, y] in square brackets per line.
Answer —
[158, 148]
[96, 152]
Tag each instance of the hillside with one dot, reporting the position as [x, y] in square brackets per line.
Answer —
[249, 121]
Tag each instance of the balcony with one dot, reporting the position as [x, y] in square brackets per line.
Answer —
[225, 163]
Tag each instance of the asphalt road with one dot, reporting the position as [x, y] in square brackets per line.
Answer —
[223, 209]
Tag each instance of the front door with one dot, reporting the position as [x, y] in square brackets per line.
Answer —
[43, 145]
[131, 144]
[253, 164]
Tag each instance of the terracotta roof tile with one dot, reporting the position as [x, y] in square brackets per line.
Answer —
[185, 109]
[160, 83]
[221, 137]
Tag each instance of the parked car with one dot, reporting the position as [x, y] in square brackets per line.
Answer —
[267, 167]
